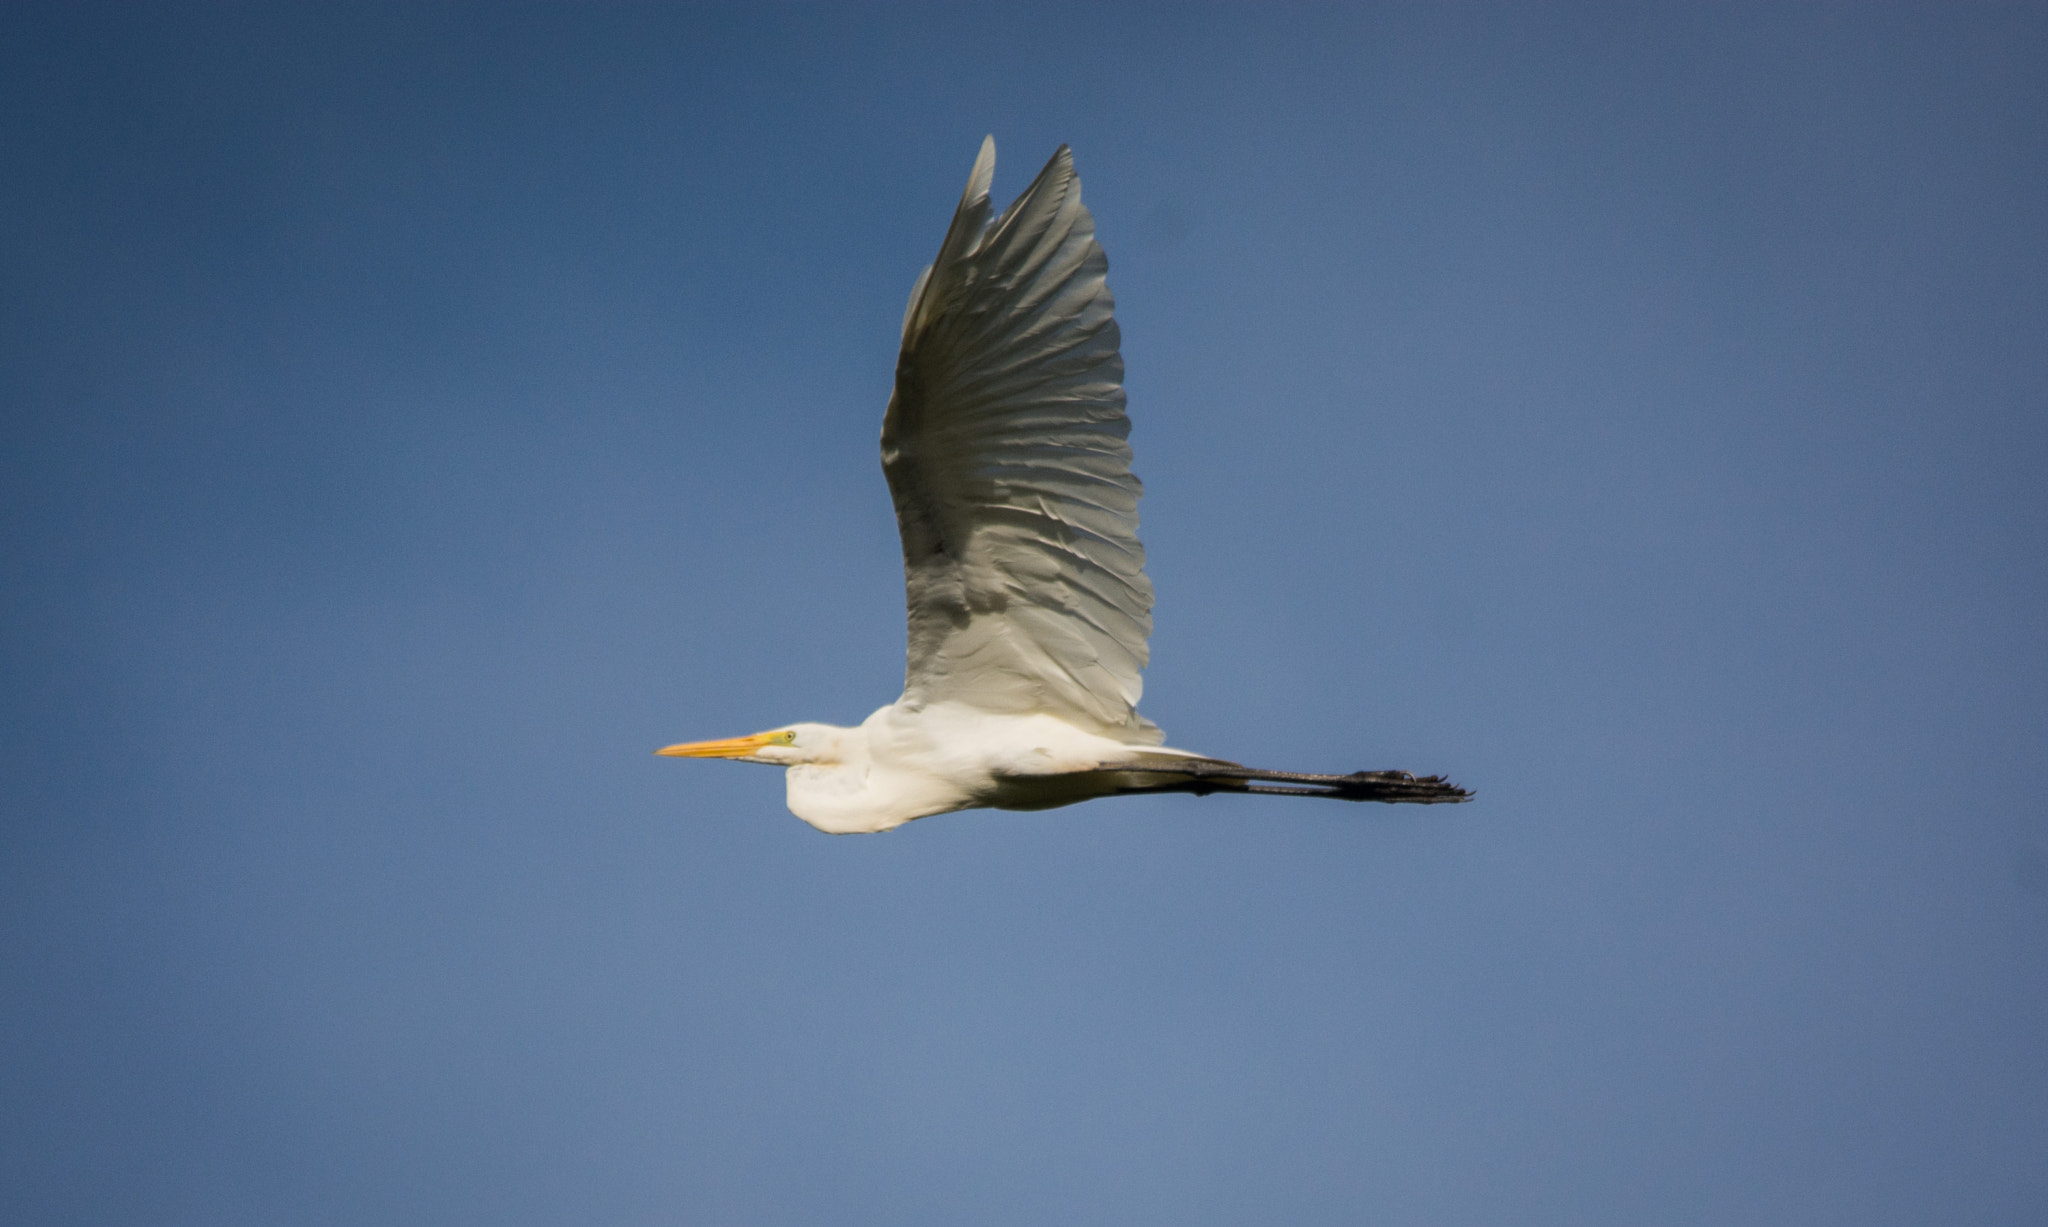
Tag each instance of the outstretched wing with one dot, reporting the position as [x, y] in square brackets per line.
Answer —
[1005, 450]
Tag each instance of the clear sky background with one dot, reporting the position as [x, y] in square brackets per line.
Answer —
[414, 416]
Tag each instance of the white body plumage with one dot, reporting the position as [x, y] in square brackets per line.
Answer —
[903, 763]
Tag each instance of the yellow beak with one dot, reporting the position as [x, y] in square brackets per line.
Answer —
[731, 747]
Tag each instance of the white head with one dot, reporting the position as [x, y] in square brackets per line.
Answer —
[790, 746]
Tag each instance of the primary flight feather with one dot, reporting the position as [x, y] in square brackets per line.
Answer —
[1005, 449]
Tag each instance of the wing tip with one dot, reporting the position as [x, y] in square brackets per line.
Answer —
[984, 173]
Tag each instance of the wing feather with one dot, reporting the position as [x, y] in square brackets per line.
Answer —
[1006, 450]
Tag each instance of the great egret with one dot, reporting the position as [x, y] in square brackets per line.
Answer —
[1004, 446]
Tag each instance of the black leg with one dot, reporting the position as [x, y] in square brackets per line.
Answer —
[1393, 787]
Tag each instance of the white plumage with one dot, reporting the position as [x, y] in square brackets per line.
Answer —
[1004, 445]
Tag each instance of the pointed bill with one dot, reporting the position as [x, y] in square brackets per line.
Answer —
[730, 747]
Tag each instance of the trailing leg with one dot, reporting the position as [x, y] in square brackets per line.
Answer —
[1393, 787]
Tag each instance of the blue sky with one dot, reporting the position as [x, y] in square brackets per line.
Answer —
[416, 415]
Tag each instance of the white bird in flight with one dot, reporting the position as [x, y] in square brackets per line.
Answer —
[1004, 446]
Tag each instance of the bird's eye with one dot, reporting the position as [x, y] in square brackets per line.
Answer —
[789, 738]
